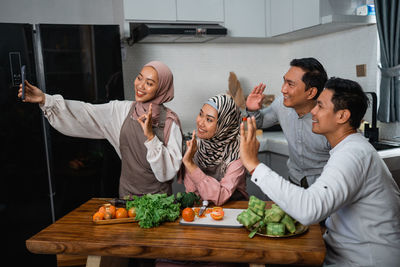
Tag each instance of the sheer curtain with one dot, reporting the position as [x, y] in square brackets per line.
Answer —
[388, 23]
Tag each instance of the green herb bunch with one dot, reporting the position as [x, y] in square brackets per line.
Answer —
[153, 209]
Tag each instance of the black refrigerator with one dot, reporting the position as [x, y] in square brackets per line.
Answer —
[45, 174]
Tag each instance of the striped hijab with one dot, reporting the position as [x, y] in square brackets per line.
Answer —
[223, 147]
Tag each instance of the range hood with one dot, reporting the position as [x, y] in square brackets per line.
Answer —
[174, 33]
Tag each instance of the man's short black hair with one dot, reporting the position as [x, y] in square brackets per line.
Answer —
[348, 94]
[315, 75]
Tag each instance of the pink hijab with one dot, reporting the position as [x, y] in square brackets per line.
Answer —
[165, 93]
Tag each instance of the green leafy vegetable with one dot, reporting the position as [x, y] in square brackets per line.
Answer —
[187, 199]
[153, 209]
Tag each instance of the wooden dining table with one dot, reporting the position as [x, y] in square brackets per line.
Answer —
[76, 234]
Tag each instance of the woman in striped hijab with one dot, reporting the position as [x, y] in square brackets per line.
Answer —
[213, 168]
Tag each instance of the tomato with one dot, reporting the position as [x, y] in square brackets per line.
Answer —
[108, 208]
[188, 214]
[98, 216]
[217, 214]
[217, 209]
[196, 211]
[121, 213]
[132, 212]
[107, 216]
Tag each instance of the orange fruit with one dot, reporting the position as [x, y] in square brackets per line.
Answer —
[121, 213]
[98, 216]
[132, 212]
[188, 214]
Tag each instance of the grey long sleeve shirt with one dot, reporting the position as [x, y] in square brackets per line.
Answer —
[308, 152]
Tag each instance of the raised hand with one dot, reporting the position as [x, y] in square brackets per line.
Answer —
[32, 93]
[255, 98]
[249, 145]
[191, 148]
[146, 122]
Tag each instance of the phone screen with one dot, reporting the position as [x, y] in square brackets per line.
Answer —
[23, 81]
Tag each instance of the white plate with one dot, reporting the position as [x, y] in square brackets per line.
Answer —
[229, 220]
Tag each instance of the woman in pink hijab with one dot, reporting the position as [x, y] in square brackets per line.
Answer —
[146, 135]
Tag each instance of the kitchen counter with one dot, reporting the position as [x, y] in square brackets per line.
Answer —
[273, 142]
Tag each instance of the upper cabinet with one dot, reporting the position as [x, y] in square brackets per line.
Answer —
[292, 15]
[157, 10]
[306, 13]
[245, 18]
[281, 16]
[202, 11]
[211, 11]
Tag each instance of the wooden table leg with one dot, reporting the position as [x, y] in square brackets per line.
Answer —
[256, 265]
[93, 261]
[105, 261]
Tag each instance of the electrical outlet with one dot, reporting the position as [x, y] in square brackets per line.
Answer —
[361, 70]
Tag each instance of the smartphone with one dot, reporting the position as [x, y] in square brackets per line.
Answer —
[23, 81]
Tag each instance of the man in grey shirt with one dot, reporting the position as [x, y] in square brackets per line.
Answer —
[302, 84]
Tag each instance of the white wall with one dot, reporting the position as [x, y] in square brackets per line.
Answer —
[340, 53]
[202, 70]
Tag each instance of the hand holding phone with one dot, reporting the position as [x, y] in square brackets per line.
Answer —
[23, 81]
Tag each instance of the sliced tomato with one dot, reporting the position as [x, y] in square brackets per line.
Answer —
[217, 215]
[217, 209]
[208, 211]
[196, 210]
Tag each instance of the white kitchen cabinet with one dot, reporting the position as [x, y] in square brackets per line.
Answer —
[202, 11]
[150, 10]
[306, 13]
[292, 15]
[245, 18]
[281, 16]
[174, 10]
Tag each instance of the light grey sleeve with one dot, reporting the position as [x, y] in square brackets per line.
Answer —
[265, 117]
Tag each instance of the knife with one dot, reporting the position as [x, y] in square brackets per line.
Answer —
[203, 208]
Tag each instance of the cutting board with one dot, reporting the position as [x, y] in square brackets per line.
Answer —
[229, 220]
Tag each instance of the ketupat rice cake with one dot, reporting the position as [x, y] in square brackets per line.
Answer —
[278, 210]
[257, 206]
[272, 215]
[276, 229]
[248, 218]
[289, 223]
